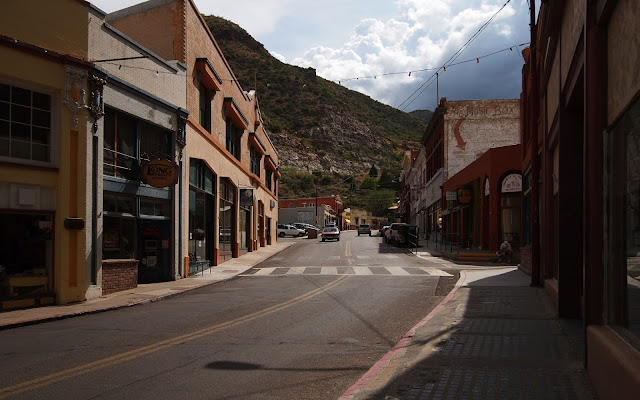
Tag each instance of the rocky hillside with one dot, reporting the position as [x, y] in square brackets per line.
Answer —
[315, 124]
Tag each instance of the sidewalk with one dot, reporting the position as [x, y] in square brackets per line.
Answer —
[143, 293]
[492, 337]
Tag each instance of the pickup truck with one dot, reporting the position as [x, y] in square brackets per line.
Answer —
[391, 234]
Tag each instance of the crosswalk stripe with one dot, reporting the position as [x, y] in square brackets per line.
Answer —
[353, 270]
[397, 271]
[362, 271]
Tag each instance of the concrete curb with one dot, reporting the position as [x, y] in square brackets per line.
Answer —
[241, 264]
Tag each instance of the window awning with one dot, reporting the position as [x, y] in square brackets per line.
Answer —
[255, 141]
[268, 162]
[208, 75]
[234, 112]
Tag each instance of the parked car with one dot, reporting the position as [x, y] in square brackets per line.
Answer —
[330, 225]
[330, 233]
[364, 229]
[290, 230]
[391, 235]
[304, 227]
[383, 229]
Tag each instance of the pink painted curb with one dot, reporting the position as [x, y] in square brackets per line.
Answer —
[404, 342]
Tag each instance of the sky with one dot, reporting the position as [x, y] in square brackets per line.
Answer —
[390, 50]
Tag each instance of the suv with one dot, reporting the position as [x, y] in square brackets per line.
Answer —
[364, 229]
[391, 234]
[284, 230]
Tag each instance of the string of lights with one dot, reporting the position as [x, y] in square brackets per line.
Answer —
[455, 56]
[444, 67]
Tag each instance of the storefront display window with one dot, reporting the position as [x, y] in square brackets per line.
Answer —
[226, 216]
[201, 213]
[26, 255]
[623, 220]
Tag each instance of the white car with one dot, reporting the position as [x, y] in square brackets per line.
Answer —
[289, 230]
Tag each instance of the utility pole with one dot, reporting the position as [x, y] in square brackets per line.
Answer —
[317, 218]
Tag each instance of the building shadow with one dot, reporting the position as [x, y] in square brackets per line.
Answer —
[495, 338]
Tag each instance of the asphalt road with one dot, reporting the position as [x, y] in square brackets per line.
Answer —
[305, 324]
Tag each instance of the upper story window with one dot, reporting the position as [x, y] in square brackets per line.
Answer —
[209, 82]
[233, 138]
[128, 142]
[268, 178]
[292, 205]
[255, 157]
[205, 107]
[25, 124]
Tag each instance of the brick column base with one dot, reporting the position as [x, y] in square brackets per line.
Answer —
[119, 275]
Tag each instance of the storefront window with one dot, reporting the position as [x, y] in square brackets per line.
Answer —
[118, 239]
[227, 210]
[201, 212]
[623, 220]
[26, 251]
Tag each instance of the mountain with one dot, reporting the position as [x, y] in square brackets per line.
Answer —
[316, 124]
[422, 114]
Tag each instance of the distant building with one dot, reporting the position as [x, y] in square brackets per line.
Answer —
[297, 210]
[445, 187]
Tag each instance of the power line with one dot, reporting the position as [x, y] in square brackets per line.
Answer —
[455, 55]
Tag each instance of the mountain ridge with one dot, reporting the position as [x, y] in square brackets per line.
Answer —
[316, 124]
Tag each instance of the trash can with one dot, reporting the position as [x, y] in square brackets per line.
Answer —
[312, 233]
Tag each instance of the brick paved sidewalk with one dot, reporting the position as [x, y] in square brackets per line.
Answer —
[495, 337]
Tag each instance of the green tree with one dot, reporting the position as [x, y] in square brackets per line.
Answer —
[379, 201]
[373, 172]
[387, 180]
[369, 183]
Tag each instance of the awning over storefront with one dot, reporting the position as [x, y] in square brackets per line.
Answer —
[208, 75]
[234, 112]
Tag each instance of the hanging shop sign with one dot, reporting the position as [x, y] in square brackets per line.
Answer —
[464, 196]
[160, 173]
[512, 183]
[451, 196]
[246, 197]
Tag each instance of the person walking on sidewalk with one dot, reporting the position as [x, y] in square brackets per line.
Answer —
[505, 250]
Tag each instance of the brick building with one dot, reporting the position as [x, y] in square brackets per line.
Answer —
[580, 107]
[459, 134]
[230, 205]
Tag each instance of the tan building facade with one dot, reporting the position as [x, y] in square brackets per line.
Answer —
[230, 206]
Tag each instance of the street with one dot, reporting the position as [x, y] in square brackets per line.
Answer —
[305, 324]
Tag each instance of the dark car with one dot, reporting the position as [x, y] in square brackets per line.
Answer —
[330, 234]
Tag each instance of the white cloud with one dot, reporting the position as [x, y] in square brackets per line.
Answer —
[424, 34]
[278, 56]
[257, 17]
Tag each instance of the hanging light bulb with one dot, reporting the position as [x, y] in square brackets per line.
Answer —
[477, 61]
[445, 69]
[409, 73]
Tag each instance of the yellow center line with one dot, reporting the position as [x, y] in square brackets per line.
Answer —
[152, 348]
